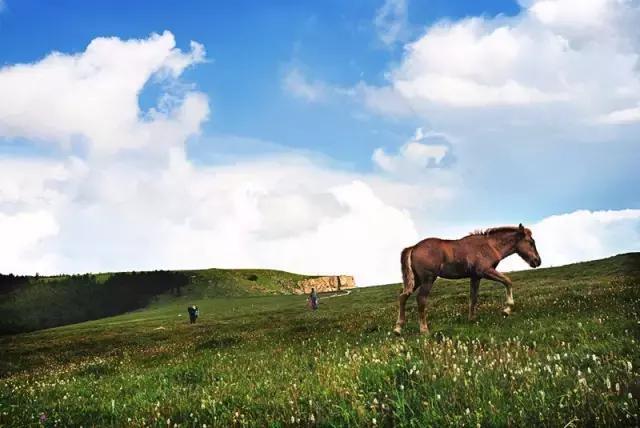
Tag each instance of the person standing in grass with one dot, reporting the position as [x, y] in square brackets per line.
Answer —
[193, 313]
[313, 299]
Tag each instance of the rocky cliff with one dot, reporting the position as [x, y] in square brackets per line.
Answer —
[325, 283]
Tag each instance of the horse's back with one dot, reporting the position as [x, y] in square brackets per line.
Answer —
[441, 257]
[430, 253]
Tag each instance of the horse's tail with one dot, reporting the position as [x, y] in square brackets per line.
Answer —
[407, 270]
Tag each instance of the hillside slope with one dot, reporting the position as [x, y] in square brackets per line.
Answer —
[33, 303]
[569, 356]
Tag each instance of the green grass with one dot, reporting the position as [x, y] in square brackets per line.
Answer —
[569, 356]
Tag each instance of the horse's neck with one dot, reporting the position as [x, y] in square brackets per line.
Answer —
[504, 243]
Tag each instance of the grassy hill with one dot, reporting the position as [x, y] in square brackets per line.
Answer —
[34, 303]
[569, 356]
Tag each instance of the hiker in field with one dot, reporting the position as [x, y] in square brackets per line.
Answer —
[313, 299]
[193, 313]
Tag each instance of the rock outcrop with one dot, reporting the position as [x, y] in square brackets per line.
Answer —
[323, 284]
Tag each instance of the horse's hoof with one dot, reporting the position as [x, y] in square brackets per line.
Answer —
[506, 312]
[397, 331]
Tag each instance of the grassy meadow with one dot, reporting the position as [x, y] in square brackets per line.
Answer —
[568, 356]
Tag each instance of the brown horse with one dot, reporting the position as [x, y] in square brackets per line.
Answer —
[475, 256]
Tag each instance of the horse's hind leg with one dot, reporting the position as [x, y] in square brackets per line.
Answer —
[423, 293]
[402, 301]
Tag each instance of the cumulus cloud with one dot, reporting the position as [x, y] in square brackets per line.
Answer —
[285, 212]
[391, 21]
[91, 98]
[579, 55]
[422, 151]
[133, 199]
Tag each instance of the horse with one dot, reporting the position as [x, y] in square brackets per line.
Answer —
[475, 256]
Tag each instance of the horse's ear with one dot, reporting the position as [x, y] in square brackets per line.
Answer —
[521, 228]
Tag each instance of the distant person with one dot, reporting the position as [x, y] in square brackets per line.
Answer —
[193, 313]
[313, 299]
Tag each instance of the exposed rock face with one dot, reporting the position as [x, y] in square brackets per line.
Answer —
[325, 283]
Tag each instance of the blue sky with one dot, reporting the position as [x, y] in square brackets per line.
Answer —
[490, 112]
[251, 45]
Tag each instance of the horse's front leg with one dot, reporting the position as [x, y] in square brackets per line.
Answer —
[494, 275]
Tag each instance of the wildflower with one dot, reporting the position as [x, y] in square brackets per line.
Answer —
[168, 421]
[437, 396]
[608, 382]
[293, 419]
[373, 421]
[312, 418]
[467, 411]
[630, 396]
[401, 387]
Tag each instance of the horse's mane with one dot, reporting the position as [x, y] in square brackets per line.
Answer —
[492, 230]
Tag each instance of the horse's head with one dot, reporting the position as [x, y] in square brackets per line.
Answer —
[526, 247]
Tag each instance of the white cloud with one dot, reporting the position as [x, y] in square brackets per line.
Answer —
[23, 235]
[414, 156]
[299, 86]
[135, 201]
[284, 212]
[391, 21]
[628, 115]
[579, 55]
[92, 97]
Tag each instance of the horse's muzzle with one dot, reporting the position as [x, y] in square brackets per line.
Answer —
[535, 263]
